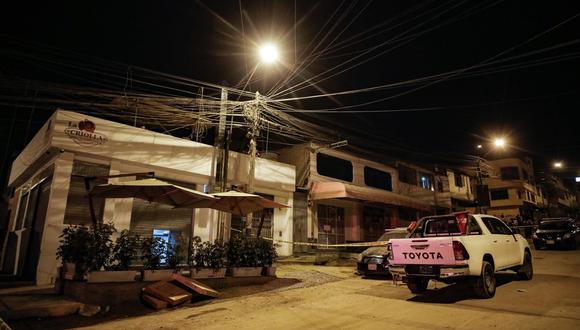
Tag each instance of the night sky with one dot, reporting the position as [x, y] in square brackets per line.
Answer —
[535, 107]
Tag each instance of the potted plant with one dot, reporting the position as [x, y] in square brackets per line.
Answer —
[73, 251]
[153, 250]
[121, 254]
[208, 259]
[268, 256]
[174, 253]
[243, 257]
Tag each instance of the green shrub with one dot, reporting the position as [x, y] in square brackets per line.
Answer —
[153, 249]
[208, 254]
[124, 250]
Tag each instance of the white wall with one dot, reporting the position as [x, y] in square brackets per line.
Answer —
[54, 223]
[283, 225]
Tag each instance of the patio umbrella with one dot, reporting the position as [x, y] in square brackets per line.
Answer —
[236, 202]
[151, 190]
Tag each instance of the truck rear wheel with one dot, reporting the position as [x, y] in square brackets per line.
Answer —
[526, 271]
[484, 285]
[417, 284]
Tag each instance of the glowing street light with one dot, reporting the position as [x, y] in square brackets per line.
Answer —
[479, 146]
[269, 53]
[499, 143]
[558, 165]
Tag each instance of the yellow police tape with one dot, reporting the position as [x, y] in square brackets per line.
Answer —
[358, 244]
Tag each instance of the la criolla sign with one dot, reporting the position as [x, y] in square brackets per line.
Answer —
[83, 133]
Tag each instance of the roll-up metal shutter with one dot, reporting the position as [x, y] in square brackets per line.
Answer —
[149, 216]
[77, 205]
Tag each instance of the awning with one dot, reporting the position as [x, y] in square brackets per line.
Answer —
[330, 190]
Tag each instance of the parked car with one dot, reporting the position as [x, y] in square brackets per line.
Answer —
[460, 247]
[557, 233]
[374, 260]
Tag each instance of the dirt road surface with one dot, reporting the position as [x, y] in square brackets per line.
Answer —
[320, 297]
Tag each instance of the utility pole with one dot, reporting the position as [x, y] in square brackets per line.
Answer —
[479, 184]
[252, 113]
[219, 181]
[219, 143]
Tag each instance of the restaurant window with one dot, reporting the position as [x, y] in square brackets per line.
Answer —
[407, 175]
[378, 179]
[458, 179]
[334, 167]
[510, 173]
[425, 181]
[77, 205]
[497, 194]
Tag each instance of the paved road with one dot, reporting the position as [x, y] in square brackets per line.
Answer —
[343, 301]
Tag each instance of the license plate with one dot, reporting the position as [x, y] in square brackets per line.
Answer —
[372, 267]
[426, 269]
[550, 241]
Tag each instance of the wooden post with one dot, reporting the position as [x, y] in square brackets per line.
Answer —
[91, 205]
[261, 223]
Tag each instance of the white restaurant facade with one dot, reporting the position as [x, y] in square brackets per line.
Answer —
[47, 180]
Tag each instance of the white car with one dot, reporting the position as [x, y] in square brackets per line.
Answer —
[460, 246]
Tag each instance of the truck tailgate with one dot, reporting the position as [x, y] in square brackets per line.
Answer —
[423, 251]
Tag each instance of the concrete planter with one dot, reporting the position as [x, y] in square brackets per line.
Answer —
[111, 276]
[70, 272]
[269, 271]
[157, 275]
[208, 272]
[245, 271]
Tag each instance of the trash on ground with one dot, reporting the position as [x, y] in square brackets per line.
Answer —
[175, 291]
[89, 310]
[193, 286]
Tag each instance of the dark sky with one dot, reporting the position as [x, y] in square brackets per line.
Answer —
[536, 107]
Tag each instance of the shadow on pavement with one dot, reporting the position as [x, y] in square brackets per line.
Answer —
[459, 291]
[137, 310]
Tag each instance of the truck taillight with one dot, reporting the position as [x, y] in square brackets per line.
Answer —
[390, 250]
[459, 251]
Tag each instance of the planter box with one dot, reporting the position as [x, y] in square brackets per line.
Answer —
[157, 275]
[70, 272]
[245, 271]
[269, 271]
[208, 273]
[111, 276]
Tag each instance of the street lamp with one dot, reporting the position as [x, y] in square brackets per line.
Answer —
[479, 146]
[499, 143]
[269, 53]
[558, 164]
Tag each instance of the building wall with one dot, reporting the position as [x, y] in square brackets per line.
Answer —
[133, 150]
[54, 223]
[519, 190]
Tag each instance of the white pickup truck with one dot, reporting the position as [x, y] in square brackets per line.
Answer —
[459, 246]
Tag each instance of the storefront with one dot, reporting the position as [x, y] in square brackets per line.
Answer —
[347, 213]
[48, 183]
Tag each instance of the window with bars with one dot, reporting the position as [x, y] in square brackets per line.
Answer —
[330, 224]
